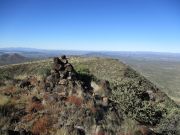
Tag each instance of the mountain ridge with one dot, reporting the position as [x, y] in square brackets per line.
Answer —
[12, 58]
[137, 98]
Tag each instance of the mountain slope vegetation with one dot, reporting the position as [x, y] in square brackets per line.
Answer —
[135, 105]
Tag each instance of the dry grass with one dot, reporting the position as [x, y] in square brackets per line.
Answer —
[28, 117]
[75, 100]
[61, 131]
[9, 90]
[53, 108]
[129, 127]
[90, 105]
[3, 121]
[21, 77]
[176, 99]
[4, 100]
[40, 127]
[34, 107]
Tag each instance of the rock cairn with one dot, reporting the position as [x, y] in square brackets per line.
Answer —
[61, 71]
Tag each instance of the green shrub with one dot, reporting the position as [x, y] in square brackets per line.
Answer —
[127, 95]
[44, 71]
[148, 114]
[80, 69]
[4, 75]
[170, 125]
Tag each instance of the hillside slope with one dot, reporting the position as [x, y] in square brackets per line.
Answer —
[12, 58]
[135, 103]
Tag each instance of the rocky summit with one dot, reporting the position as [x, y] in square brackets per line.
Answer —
[82, 96]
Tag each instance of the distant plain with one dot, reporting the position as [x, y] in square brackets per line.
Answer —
[165, 74]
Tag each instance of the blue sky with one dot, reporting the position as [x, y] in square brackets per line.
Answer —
[114, 25]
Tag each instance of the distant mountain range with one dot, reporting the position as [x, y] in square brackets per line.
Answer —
[40, 53]
[23, 54]
[12, 58]
[155, 56]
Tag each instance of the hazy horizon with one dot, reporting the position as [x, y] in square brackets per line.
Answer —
[30, 49]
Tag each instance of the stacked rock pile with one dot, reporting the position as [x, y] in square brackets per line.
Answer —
[61, 71]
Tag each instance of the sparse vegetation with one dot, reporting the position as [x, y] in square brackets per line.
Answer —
[129, 126]
[135, 99]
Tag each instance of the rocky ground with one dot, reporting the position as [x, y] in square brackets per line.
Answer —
[89, 96]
